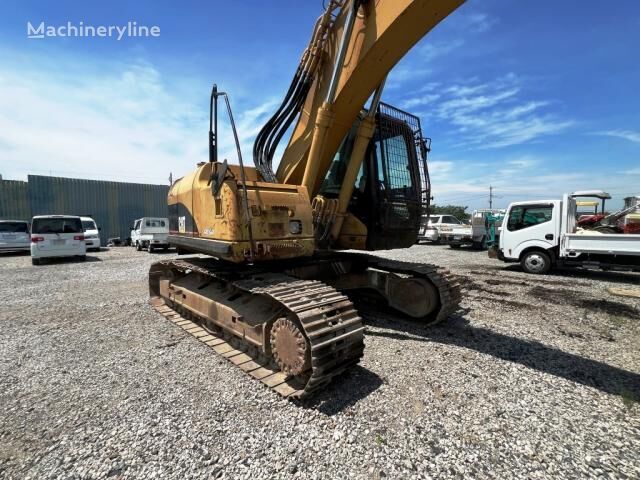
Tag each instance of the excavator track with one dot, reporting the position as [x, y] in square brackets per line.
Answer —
[340, 264]
[330, 324]
[447, 284]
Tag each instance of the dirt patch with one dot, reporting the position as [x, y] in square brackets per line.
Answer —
[611, 307]
[514, 304]
[571, 297]
[468, 286]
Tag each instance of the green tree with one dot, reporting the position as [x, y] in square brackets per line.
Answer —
[457, 211]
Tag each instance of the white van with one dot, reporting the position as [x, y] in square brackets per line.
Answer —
[14, 235]
[91, 233]
[57, 236]
[150, 233]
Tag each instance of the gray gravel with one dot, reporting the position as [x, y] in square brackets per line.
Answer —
[538, 377]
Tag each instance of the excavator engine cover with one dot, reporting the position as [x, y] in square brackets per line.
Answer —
[214, 221]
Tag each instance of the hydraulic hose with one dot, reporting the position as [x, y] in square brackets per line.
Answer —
[269, 137]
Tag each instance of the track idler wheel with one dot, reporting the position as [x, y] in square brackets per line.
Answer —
[291, 350]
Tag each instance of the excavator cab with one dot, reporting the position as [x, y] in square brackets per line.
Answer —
[392, 189]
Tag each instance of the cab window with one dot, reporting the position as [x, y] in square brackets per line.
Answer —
[153, 222]
[528, 216]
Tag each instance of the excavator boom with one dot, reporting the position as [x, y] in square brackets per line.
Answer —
[352, 67]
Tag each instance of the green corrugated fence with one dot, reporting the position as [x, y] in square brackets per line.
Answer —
[113, 205]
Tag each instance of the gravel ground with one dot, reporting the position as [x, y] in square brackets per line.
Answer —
[538, 377]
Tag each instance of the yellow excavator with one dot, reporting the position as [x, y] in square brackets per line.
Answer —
[274, 288]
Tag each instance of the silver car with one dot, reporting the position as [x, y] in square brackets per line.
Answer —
[14, 235]
[429, 233]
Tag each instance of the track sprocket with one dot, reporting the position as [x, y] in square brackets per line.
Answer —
[289, 347]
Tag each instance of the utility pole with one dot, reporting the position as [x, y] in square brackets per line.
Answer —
[490, 196]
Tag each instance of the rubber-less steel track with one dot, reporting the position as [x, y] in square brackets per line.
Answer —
[447, 284]
[329, 321]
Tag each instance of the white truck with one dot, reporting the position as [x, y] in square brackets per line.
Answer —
[150, 233]
[542, 234]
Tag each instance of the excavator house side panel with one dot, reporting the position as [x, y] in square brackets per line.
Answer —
[215, 223]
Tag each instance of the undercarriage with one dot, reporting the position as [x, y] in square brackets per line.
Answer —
[292, 324]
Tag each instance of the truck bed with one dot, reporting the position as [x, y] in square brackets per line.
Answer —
[574, 244]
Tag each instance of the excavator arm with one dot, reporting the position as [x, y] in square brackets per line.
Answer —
[351, 52]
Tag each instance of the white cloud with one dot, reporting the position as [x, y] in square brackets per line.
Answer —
[404, 73]
[464, 182]
[126, 122]
[420, 101]
[431, 51]
[523, 162]
[479, 22]
[626, 134]
[440, 169]
[493, 114]
[461, 106]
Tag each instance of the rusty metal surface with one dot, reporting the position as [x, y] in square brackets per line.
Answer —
[289, 347]
[354, 273]
[330, 325]
[201, 222]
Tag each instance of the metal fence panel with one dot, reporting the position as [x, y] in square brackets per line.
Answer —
[113, 205]
[14, 200]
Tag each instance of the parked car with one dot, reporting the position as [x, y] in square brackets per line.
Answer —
[14, 235]
[150, 233]
[455, 232]
[57, 236]
[91, 233]
[437, 226]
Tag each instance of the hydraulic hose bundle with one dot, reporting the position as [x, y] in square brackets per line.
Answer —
[269, 137]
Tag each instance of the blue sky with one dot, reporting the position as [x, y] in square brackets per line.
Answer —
[534, 98]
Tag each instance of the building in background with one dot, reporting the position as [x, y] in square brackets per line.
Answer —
[113, 205]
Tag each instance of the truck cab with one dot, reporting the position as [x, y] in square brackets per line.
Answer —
[530, 233]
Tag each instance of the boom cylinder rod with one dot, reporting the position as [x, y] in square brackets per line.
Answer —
[324, 116]
[342, 51]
